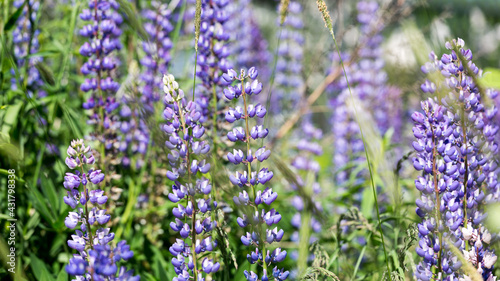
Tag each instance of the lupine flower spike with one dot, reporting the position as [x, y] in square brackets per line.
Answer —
[256, 220]
[289, 80]
[96, 259]
[23, 39]
[190, 189]
[103, 34]
[368, 82]
[212, 56]
[249, 47]
[456, 148]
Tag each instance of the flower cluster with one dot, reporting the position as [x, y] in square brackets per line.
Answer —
[212, 55]
[249, 47]
[369, 87]
[255, 217]
[307, 170]
[288, 79]
[192, 220]
[103, 34]
[24, 37]
[96, 260]
[456, 149]
[137, 109]
[157, 51]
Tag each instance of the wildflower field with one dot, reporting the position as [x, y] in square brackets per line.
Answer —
[260, 140]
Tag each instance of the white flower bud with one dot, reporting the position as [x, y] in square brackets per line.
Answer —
[486, 237]
[489, 259]
[467, 232]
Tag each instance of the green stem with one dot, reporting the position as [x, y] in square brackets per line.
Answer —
[193, 201]
[247, 131]
[304, 234]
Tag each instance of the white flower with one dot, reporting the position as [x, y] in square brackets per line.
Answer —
[486, 237]
[489, 259]
[478, 244]
[471, 256]
[467, 232]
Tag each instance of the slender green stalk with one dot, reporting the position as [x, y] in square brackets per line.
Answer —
[361, 255]
[249, 165]
[197, 23]
[304, 234]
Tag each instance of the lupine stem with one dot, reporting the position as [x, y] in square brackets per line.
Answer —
[193, 217]
[89, 230]
[438, 199]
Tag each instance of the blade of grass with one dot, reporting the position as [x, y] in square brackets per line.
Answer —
[197, 25]
[72, 24]
[358, 263]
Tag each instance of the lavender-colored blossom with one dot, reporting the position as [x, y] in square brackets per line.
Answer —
[456, 148]
[255, 218]
[289, 81]
[96, 259]
[368, 82]
[191, 189]
[248, 46]
[103, 34]
[158, 26]
[213, 51]
[25, 36]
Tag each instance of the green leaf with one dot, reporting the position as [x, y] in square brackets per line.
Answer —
[12, 20]
[57, 244]
[147, 277]
[5, 217]
[47, 53]
[41, 205]
[50, 193]
[162, 272]
[40, 270]
[63, 275]
[159, 266]
[10, 118]
[46, 73]
[68, 116]
[9, 150]
[491, 78]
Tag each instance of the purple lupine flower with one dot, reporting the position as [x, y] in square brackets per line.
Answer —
[255, 217]
[184, 130]
[158, 26]
[289, 81]
[249, 47]
[456, 147]
[137, 109]
[23, 38]
[96, 260]
[369, 87]
[213, 51]
[103, 34]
